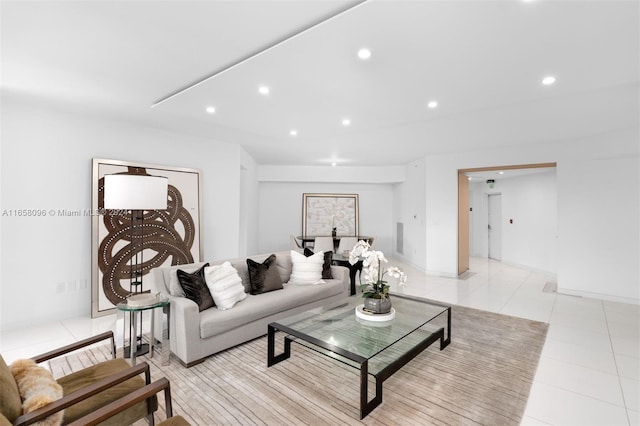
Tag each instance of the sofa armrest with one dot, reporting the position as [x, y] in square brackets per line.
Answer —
[184, 328]
[342, 273]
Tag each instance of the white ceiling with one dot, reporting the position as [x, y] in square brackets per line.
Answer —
[482, 60]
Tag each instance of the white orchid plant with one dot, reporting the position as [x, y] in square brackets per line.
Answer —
[375, 286]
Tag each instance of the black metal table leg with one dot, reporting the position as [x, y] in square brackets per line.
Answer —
[367, 406]
[272, 358]
[445, 343]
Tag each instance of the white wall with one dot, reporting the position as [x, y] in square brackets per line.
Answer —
[598, 209]
[280, 211]
[248, 238]
[531, 202]
[409, 209]
[598, 223]
[46, 164]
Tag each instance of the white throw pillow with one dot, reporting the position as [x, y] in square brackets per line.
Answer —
[225, 285]
[306, 270]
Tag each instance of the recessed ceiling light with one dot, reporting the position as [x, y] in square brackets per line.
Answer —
[293, 132]
[364, 53]
[210, 109]
[264, 90]
[500, 173]
[346, 122]
[334, 164]
[432, 104]
[548, 80]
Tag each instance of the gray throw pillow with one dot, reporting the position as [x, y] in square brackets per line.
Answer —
[195, 287]
[264, 276]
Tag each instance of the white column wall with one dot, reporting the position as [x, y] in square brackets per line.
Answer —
[409, 208]
[598, 222]
[248, 238]
[46, 164]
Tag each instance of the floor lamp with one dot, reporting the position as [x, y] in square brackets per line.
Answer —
[135, 194]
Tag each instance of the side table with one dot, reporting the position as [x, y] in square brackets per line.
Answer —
[134, 311]
[342, 260]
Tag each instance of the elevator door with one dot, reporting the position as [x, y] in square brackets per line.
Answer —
[495, 226]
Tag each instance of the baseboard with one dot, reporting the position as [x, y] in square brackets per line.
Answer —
[601, 296]
[550, 274]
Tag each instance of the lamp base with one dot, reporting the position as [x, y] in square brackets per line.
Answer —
[142, 349]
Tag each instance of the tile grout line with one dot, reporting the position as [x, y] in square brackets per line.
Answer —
[615, 362]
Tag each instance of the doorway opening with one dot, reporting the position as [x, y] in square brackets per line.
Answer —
[464, 211]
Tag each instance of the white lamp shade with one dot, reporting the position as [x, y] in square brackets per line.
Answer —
[135, 192]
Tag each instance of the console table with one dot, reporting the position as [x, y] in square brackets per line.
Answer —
[342, 260]
[309, 239]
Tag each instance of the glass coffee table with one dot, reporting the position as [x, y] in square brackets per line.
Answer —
[377, 348]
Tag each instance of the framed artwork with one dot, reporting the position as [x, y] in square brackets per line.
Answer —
[148, 239]
[323, 212]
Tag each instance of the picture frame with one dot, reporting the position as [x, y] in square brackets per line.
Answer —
[169, 237]
[323, 212]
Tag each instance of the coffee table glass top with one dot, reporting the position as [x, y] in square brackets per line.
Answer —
[337, 328]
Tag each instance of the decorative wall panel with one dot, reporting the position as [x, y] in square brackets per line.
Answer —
[162, 238]
[323, 212]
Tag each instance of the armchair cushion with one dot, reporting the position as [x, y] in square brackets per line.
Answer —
[37, 389]
[10, 403]
[87, 376]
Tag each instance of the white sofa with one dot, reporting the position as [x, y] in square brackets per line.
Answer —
[196, 335]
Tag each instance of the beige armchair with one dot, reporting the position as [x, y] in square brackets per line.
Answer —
[135, 397]
[83, 391]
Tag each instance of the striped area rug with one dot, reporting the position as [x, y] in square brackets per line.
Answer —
[482, 378]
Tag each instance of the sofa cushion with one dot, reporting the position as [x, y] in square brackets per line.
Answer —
[195, 287]
[37, 389]
[10, 403]
[306, 270]
[225, 285]
[264, 276]
[214, 322]
[326, 267]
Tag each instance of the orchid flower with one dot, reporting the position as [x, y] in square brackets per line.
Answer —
[372, 271]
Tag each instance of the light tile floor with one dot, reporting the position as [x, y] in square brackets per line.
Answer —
[589, 370]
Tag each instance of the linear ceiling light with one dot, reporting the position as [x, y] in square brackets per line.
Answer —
[258, 52]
